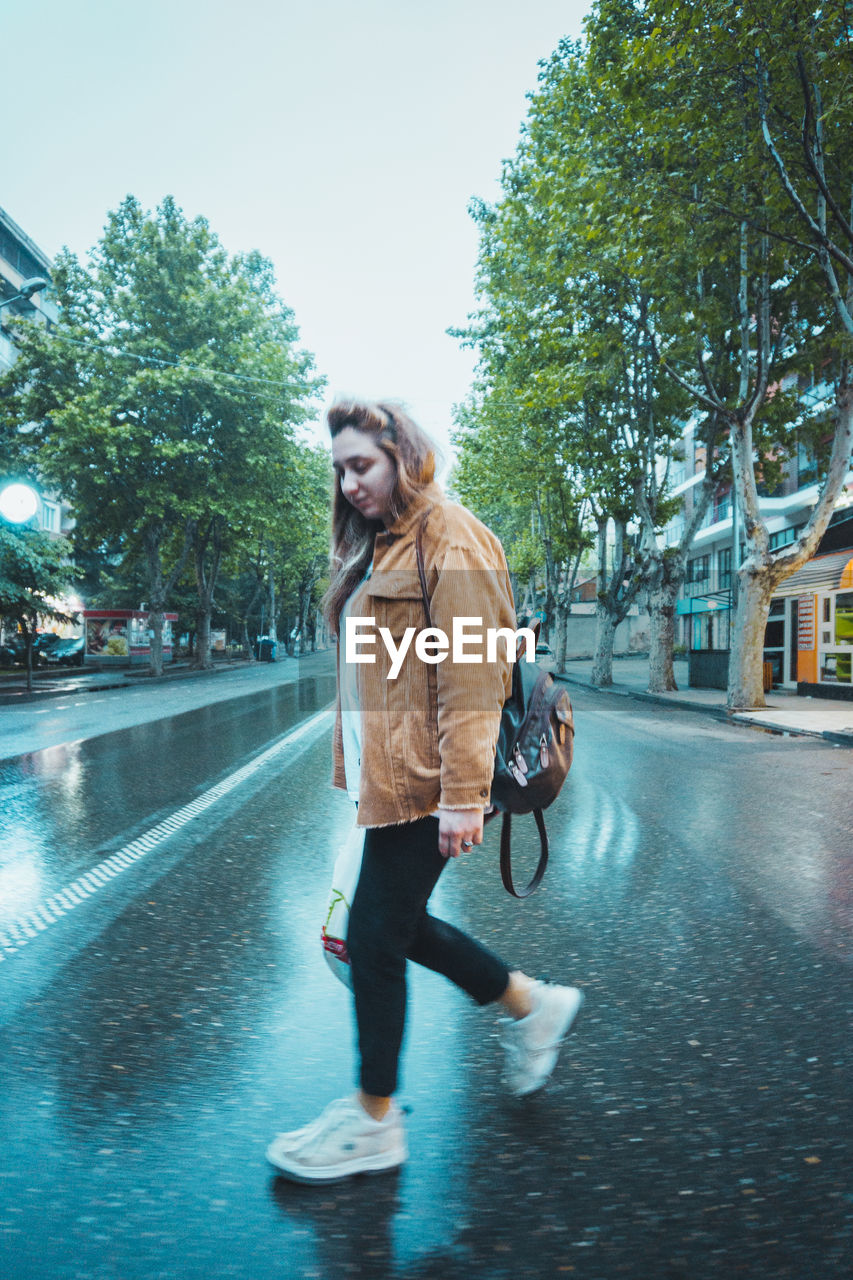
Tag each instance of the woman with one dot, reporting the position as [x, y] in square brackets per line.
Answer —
[414, 745]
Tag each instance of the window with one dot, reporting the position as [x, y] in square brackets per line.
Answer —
[724, 562]
[698, 569]
[844, 617]
[722, 508]
[50, 516]
[784, 537]
[836, 659]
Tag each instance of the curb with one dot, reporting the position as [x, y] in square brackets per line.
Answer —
[718, 713]
[125, 681]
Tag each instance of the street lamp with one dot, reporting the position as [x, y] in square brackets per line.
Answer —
[18, 503]
[34, 285]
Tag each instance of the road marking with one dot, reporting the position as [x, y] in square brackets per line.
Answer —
[19, 932]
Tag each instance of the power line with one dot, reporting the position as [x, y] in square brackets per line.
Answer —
[171, 364]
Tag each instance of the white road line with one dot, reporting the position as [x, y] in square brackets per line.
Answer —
[19, 932]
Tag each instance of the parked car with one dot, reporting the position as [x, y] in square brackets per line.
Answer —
[15, 650]
[44, 644]
[8, 653]
[68, 652]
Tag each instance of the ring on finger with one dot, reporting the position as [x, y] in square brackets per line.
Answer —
[467, 844]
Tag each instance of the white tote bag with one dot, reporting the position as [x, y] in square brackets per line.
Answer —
[344, 880]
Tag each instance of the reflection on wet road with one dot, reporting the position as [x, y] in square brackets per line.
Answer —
[699, 890]
[63, 805]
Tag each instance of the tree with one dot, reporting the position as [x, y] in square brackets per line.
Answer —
[163, 397]
[35, 569]
[509, 471]
[566, 322]
[717, 68]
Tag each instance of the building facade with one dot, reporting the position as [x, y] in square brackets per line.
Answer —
[21, 260]
[808, 642]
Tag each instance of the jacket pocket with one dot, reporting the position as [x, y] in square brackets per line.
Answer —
[396, 601]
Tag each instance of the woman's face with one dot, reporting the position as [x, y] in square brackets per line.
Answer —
[367, 475]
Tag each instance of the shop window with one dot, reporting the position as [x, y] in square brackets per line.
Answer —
[844, 618]
[835, 668]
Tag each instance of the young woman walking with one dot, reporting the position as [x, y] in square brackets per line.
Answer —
[416, 752]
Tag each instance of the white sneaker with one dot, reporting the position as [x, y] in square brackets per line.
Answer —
[532, 1044]
[341, 1142]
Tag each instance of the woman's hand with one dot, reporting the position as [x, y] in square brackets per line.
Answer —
[456, 825]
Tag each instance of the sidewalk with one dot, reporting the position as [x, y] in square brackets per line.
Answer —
[53, 683]
[785, 712]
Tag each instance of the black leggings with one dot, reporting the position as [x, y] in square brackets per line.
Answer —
[389, 925]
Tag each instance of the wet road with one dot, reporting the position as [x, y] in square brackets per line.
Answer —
[158, 1030]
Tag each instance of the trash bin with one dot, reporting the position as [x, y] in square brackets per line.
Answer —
[768, 676]
[266, 649]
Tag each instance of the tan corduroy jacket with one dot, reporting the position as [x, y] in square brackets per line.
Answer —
[429, 736]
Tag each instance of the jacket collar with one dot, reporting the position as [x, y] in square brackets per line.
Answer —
[430, 496]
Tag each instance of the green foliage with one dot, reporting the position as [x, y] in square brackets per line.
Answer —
[34, 570]
[163, 404]
[646, 263]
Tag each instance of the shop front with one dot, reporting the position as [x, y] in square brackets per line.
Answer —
[120, 636]
[818, 601]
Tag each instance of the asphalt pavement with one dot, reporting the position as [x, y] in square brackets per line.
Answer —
[165, 1008]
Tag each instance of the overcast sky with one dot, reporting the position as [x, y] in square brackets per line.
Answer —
[342, 140]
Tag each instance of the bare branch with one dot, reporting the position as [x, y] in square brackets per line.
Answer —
[820, 236]
[815, 160]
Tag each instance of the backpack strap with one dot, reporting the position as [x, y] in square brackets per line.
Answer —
[506, 862]
[506, 830]
[419, 556]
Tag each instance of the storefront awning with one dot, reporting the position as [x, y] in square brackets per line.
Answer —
[823, 573]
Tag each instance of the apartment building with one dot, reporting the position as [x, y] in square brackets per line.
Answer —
[21, 260]
[809, 637]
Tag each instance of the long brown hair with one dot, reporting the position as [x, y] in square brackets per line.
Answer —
[413, 455]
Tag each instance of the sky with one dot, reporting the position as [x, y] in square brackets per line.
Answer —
[344, 140]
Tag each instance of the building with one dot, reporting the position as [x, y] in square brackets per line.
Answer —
[808, 642]
[21, 260]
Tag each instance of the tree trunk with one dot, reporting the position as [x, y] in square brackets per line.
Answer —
[746, 662]
[561, 633]
[155, 626]
[208, 558]
[29, 636]
[605, 636]
[160, 588]
[156, 600]
[605, 625]
[272, 629]
[203, 661]
[661, 610]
